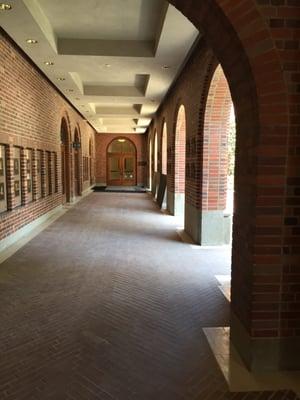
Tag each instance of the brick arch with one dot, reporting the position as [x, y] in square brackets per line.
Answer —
[121, 137]
[65, 158]
[243, 40]
[78, 179]
[65, 122]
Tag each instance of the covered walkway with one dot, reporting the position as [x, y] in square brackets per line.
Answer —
[109, 303]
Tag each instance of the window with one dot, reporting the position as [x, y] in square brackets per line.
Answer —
[3, 195]
[17, 176]
[53, 172]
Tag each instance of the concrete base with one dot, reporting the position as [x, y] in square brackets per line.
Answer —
[179, 206]
[209, 228]
[192, 223]
[265, 354]
[216, 228]
[176, 204]
[170, 202]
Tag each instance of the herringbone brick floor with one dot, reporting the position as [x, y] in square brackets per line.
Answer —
[107, 303]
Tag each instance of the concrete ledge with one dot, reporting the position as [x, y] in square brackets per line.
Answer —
[265, 354]
[208, 228]
[238, 377]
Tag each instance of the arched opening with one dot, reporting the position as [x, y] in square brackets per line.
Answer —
[64, 145]
[164, 144]
[164, 161]
[180, 157]
[121, 163]
[155, 164]
[77, 145]
[218, 163]
[155, 155]
[150, 144]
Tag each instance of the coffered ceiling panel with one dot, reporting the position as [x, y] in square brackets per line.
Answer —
[114, 60]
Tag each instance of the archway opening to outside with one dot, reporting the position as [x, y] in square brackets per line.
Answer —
[180, 157]
[64, 142]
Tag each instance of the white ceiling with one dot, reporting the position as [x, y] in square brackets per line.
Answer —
[112, 54]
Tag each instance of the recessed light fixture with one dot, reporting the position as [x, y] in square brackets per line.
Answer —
[31, 41]
[121, 140]
[5, 7]
[49, 63]
[77, 98]
[70, 90]
[166, 67]
[107, 65]
[61, 78]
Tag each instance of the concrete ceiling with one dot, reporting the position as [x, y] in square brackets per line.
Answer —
[113, 59]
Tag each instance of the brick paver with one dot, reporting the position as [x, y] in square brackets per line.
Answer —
[108, 303]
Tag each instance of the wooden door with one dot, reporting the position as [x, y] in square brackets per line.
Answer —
[121, 169]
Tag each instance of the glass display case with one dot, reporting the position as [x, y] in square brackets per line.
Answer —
[17, 176]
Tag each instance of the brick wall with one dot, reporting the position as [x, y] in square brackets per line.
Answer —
[257, 44]
[31, 115]
[192, 80]
[102, 143]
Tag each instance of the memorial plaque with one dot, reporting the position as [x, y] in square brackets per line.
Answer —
[17, 176]
[3, 202]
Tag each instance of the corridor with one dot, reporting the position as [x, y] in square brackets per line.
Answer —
[109, 303]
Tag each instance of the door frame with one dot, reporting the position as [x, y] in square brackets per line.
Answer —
[134, 155]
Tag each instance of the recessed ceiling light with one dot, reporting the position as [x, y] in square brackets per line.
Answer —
[61, 79]
[49, 63]
[5, 7]
[77, 98]
[31, 41]
[70, 90]
[166, 67]
[107, 65]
